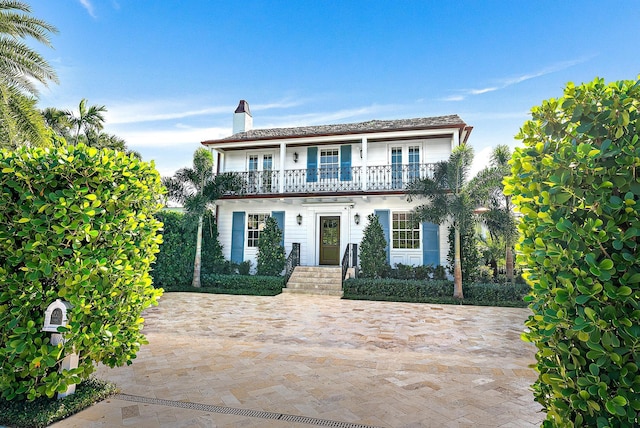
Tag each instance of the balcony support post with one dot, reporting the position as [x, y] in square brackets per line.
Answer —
[283, 159]
[363, 170]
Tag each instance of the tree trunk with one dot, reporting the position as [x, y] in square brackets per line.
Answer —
[196, 263]
[509, 263]
[457, 268]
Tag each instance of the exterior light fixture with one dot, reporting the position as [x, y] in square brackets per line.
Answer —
[360, 152]
[299, 219]
[356, 218]
[295, 156]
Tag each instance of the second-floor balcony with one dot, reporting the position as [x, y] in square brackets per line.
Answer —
[379, 178]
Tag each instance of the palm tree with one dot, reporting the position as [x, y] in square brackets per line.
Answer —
[19, 64]
[197, 189]
[499, 218]
[58, 121]
[88, 120]
[20, 68]
[448, 197]
[20, 121]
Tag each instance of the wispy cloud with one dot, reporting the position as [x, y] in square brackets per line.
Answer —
[503, 83]
[164, 110]
[184, 136]
[322, 118]
[89, 7]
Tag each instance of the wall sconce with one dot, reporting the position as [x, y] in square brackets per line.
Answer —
[299, 219]
[295, 156]
[361, 153]
[356, 218]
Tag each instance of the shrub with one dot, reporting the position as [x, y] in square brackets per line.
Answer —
[76, 223]
[434, 292]
[439, 273]
[236, 284]
[577, 185]
[174, 263]
[271, 258]
[469, 254]
[44, 411]
[244, 267]
[373, 257]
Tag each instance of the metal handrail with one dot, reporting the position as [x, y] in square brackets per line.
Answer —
[293, 260]
[334, 180]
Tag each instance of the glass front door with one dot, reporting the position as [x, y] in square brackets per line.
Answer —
[329, 240]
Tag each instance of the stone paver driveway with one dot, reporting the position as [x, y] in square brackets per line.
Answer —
[302, 361]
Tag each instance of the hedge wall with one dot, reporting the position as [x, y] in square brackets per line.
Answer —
[76, 223]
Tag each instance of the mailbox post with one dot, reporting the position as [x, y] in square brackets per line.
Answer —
[54, 317]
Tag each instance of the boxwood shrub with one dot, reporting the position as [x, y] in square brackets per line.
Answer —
[435, 292]
[253, 285]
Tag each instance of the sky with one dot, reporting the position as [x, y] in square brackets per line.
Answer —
[171, 72]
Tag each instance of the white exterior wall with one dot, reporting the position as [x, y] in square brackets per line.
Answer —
[431, 151]
[307, 234]
[345, 206]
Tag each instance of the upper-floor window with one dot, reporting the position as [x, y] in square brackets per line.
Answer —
[413, 170]
[255, 225]
[405, 231]
[329, 164]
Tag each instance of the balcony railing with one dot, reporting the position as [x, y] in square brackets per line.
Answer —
[334, 180]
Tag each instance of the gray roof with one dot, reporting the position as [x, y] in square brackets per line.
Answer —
[450, 121]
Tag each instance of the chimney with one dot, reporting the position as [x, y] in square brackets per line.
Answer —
[242, 119]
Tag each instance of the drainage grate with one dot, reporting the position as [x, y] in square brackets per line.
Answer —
[240, 412]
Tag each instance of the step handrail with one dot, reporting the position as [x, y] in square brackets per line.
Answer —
[293, 260]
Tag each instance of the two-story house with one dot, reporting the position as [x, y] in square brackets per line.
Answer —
[321, 182]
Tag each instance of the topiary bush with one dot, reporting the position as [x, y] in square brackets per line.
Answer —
[373, 256]
[76, 223]
[576, 182]
[271, 258]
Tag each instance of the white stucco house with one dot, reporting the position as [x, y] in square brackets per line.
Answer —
[321, 182]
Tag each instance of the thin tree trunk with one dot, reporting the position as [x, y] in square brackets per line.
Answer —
[509, 263]
[457, 268]
[196, 263]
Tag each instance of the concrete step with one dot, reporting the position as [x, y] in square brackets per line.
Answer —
[315, 280]
[338, 293]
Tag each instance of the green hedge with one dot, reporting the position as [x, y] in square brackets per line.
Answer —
[236, 284]
[434, 292]
[44, 411]
[76, 223]
[174, 263]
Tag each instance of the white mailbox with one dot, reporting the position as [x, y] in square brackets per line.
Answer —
[56, 315]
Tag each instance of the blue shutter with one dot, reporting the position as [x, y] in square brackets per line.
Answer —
[345, 163]
[430, 244]
[279, 217]
[383, 218]
[237, 237]
[312, 164]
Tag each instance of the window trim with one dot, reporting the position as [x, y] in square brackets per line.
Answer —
[413, 239]
[251, 231]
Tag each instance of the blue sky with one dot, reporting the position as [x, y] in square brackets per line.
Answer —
[171, 72]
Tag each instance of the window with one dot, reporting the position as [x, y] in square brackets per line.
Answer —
[396, 167]
[329, 164]
[267, 166]
[255, 225]
[405, 231]
[414, 163]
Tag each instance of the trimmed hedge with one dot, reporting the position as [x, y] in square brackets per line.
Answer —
[44, 411]
[236, 284]
[76, 223]
[174, 262]
[435, 292]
